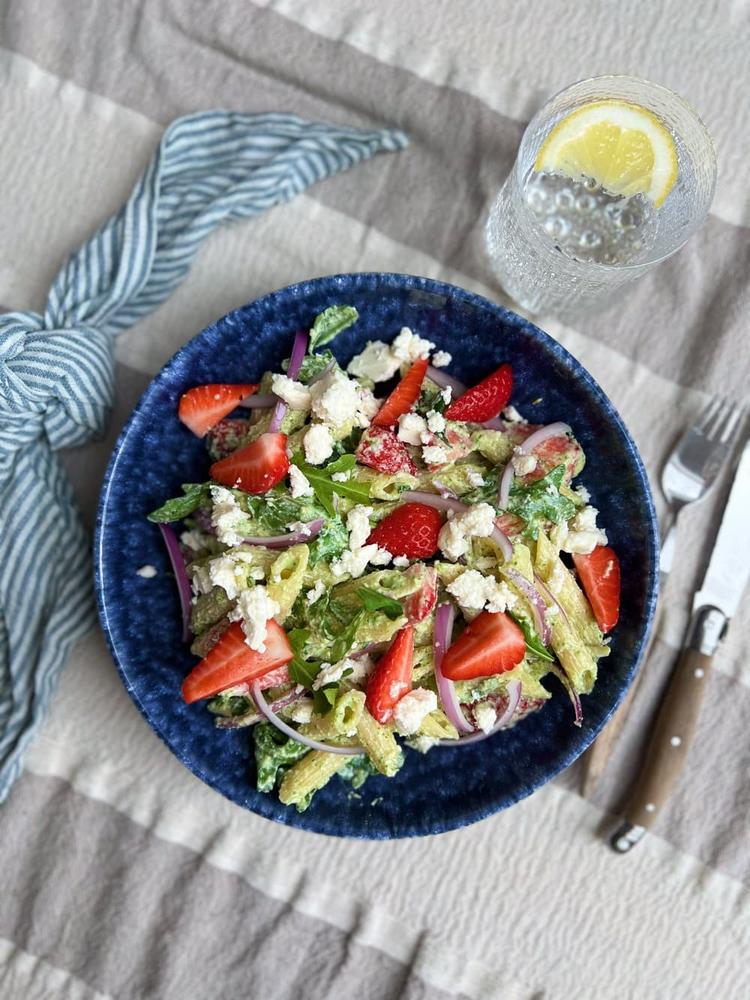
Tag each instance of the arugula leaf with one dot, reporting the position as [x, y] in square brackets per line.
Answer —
[301, 670]
[430, 399]
[373, 600]
[195, 495]
[542, 501]
[486, 493]
[330, 543]
[275, 511]
[325, 698]
[325, 486]
[329, 324]
[534, 644]
[312, 365]
[346, 639]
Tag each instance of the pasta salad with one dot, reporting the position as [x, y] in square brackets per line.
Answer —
[382, 557]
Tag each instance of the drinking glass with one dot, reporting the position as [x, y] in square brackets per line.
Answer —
[569, 247]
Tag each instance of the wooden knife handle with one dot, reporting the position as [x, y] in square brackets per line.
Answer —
[671, 737]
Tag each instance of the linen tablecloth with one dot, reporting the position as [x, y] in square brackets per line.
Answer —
[121, 875]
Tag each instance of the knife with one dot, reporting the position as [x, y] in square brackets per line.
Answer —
[713, 607]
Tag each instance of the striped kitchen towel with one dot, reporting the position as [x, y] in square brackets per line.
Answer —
[56, 368]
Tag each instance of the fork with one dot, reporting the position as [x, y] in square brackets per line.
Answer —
[688, 474]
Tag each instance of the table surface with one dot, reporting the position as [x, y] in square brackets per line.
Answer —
[124, 876]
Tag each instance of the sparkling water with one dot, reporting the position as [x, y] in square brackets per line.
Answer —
[546, 238]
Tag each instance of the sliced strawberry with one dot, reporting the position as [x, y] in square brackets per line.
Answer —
[231, 662]
[202, 408]
[380, 449]
[410, 530]
[391, 678]
[560, 450]
[226, 437]
[491, 644]
[485, 400]
[419, 604]
[403, 397]
[257, 467]
[599, 573]
[510, 525]
[275, 678]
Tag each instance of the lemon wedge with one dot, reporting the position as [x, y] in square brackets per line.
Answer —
[622, 146]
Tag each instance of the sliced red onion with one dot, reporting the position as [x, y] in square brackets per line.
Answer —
[448, 503]
[261, 402]
[548, 431]
[328, 368]
[249, 720]
[299, 347]
[547, 593]
[444, 490]
[284, 541]
[373, 647]
[444, 380]
[446, 688]
[494, 425]
[526, 447]
[537, 602]
[514, 699]
[572, 694]
[267, 710]
[178, 568]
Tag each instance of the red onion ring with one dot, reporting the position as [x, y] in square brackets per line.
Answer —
[267, 710]
[550, 597]
[286, 699]
[526, 447]
[445, 381]
[299, 348]
[261, 402]
[572, 694]
[284, 541]
[514, 698]
[447, 503]
[446, 688]
[373, 647]
[443, 490]
[177, 561]
[537, 602]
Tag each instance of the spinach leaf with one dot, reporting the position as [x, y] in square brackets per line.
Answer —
[274, 753]
[275, 511]
[312, 365]
[542, 501]
[373, 600]
[325, 486]
[346, 639]
[329, 324]
[301, 670]
[195, 495]
[534, 644]
[330, 543]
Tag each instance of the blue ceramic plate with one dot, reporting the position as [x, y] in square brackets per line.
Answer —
[446, 788]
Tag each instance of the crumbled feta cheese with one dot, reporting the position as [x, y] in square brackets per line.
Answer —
[381, 557]
[446, 393]
[299, 526]
[477, 522]
[499, 595]
[226, 515]
[434, 454]
[368, 407]
[355, 562]
[361, 667]
[331, 672]
[411, 710]
[318, 444]
[148, 572]
[193, 539]
[376, 362]
[341, 477]
[411, 427]
[485, 716]
[582, 493]
[436, 422]
[335, 399]
[301, 711]
[474, 478]
[522, 463]
[400, 561]
[474, 591]
[423, 743]
[294, 394]
[300, 483]
[224, 571]
[358, 525]
[410, 347]
[316, 592]
[583, 535]
[441, 359]
[511, 414]
[201, 580]
[254, 609]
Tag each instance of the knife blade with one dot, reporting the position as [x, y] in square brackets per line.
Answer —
[713, 606]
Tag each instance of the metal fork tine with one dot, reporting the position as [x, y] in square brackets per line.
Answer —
[707, 415]
[715, 425]
[732, 424]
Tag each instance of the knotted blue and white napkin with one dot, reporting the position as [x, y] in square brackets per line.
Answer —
[56, 369]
